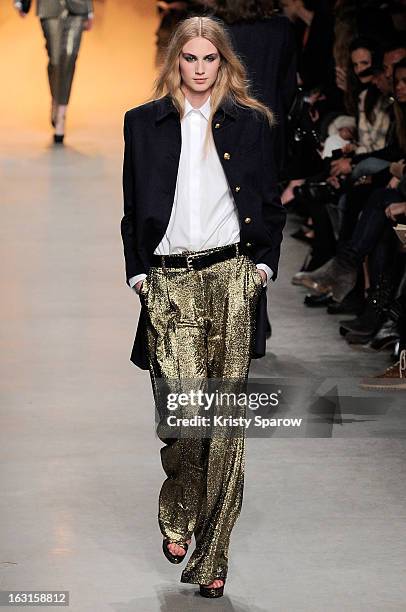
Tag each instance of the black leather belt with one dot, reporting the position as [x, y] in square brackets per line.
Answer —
[196, 261]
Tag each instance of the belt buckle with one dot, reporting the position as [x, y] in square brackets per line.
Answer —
[189, 260]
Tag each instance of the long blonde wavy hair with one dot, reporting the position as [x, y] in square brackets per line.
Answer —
[231, 83]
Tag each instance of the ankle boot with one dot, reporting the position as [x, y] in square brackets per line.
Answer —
[311, 263]
[351, 304]
[317, 279]
[338, 276]
[368, 323]
[349, 271]
[318, 301]
[335, 278]
[388, 334]
[354, 301]
[386, 337]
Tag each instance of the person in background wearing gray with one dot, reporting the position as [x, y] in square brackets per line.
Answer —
[62, 22]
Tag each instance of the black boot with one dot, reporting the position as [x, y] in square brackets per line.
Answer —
[367, 324]
[317, 301]
[353, 303]
[389, 335]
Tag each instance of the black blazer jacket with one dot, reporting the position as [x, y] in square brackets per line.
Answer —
[243, 140]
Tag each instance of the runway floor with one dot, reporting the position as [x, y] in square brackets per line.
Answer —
[322, 525]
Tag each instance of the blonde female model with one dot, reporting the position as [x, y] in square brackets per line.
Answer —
[202, 229]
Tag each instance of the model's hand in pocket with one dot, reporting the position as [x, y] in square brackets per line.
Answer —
[138, 286]
[263, 274]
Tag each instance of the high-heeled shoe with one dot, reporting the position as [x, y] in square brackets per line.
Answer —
[212, 592]
[59, 124]
[174, 558]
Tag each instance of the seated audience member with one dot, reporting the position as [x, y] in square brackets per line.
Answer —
[341, 132]
[339, 275]
[364, 100]
[366, 103]
[356, 195]
[394, 377]
[382, 77]
[313, 21]
[265, 42]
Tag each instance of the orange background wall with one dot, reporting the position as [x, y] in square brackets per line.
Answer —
[114, 71]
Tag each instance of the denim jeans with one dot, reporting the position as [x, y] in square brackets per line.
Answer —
[373, 222]
[369, 166]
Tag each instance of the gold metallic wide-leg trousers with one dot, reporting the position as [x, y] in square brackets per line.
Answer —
[201, 325]
[63, 35]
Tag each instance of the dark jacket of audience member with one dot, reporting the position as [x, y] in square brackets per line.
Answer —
[267, 48]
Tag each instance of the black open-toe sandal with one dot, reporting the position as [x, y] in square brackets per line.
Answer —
[212, 592]
[174, 558]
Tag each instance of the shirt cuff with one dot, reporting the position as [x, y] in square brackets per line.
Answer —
[90, 15]
[135, 279]
[18, 5]
[268, 271]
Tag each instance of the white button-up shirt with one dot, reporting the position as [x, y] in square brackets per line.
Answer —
[204, 214]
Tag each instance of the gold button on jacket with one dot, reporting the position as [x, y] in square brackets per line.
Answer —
[226, 155]
[247, 220]
[238, 188]
[217, 125]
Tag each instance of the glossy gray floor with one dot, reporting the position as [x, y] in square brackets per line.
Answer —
[322, 527]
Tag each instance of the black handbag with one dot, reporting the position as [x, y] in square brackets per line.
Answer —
[303, 141]
[25, 5]
[402, 186]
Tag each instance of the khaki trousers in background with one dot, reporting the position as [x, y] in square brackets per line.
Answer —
[201, 325]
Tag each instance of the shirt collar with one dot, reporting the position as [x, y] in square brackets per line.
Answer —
[204, 109]
[164, 107]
